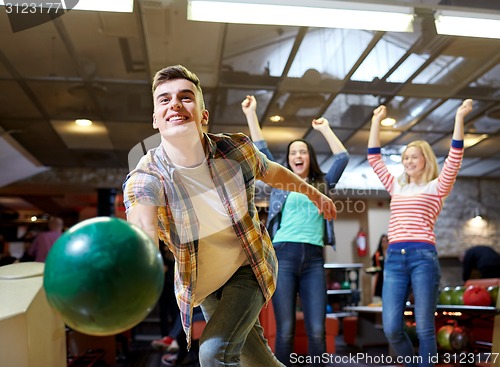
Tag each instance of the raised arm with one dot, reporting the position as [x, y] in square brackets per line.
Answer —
[374, 156]
[378, 115]
[281, 178]
[341, 157]
[249, 106]
[453, 161]
[323, 127]
[462, 111]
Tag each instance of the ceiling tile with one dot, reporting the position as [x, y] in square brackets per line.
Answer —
[83, 137]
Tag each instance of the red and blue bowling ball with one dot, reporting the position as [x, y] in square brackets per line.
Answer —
[475, 295]
[103, 276]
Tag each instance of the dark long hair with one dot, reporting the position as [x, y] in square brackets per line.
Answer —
[380, 247]
[316, 176]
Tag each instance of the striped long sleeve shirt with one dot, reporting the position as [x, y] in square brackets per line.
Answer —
[414, 207]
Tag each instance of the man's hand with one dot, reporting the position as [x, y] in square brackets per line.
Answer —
[281, 178]
[325, 205]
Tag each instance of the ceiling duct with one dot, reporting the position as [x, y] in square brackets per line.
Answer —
[156, 4]
[82, 90]
[312, 77]
[356, 115]
[479, 4]
[494, 113]
[297, 102]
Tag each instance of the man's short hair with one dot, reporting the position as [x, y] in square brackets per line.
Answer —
[177, 72]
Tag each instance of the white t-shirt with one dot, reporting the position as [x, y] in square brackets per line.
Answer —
[220, 252]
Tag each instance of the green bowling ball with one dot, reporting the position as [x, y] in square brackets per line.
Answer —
[443, 337]
[457, 295]
[445, 296]
[103, 276]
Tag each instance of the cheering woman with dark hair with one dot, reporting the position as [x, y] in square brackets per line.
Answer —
[299, 234]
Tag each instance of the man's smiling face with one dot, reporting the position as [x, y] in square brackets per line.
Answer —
[178, 108]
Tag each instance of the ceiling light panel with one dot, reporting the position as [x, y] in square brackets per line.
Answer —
[319, 13]
[468, 24]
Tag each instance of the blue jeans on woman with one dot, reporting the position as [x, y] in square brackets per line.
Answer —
[233, 335]
[408, 269]
[301, 270]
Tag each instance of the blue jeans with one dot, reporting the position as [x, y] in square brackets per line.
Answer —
[416, 269]
[233, 335]
[300, 271]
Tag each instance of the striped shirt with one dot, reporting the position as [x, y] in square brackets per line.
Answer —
[414, 207]
[234, 164]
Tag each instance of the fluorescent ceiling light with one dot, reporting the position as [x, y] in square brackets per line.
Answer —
[468, 24]
[310, 13]
[119, 6]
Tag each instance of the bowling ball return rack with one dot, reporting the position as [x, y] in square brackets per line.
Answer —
[479, 321]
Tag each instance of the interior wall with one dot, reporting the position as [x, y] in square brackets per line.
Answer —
[455, 228]
[378, 222]
[351, 218]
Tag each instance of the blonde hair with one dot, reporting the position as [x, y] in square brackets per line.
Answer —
[431, 166]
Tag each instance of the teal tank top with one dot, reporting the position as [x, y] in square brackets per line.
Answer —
[300, 221]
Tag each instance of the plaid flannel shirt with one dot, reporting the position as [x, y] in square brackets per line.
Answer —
[234, 164]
